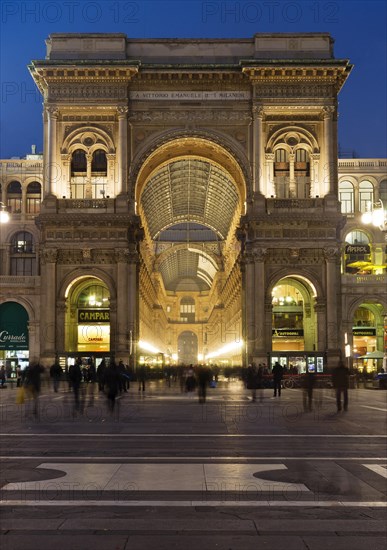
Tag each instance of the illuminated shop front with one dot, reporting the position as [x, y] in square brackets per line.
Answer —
[88, 328]
[293, 323]
[14, 337]
[366, 340]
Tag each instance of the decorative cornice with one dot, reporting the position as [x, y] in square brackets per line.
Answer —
[298, 72]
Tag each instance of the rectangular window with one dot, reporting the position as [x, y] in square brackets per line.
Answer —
[33, 205]
[22, 266]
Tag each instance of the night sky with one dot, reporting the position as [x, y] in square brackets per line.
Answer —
[358, 27]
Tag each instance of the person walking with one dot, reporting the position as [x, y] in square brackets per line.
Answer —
[252, 381]
[204, 376]
[308, 381]
[75, 378]
[101, 375]
[112, 384]
[33, 382]
[277, 373]
[56, 374]
[340, 380]
[141, 377]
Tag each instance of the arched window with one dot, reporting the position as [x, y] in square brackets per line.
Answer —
[34, 190]
[357, 253]
[94, 296]
[22, 254]
[281, 162]
[346, 197]
[187, 310]
[281, 173]
[99, 162]
[14, 197]
[383, 193]
[357, 237]
[302, 163]
[366, 196]
[78, 162]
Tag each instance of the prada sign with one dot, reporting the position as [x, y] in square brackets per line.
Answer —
[357, 249]
[87, 316]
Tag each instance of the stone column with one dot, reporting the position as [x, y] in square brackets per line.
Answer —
[66, 176]
[7, 253]
[88, 186]
[320, 309]
[48, 344]
[24, 201]
[249, 304]
[332, 257]
[111, 173]
[258, 150]
[329, 160]
[260, 347]
[122, 146]
[292, 180]
[51, 168]
[314, 175]
[271, 191]
[121, 257]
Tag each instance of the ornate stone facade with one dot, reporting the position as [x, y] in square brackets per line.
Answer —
[185, 188]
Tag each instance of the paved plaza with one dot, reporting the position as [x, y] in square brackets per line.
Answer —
[166, 472]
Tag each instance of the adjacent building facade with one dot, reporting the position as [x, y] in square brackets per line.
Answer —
[190, 206]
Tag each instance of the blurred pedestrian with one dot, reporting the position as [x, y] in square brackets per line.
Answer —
[101, 375]
[33, 382]
[340, 380]
[277, 373]
[112, 384]
[252, 380]
[56, 374]
[190, 381]
[75, 378]
[122, 378]
[141, 377]
[308, 381]
[204, 376]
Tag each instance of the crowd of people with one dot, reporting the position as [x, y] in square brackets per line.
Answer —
[112, 379]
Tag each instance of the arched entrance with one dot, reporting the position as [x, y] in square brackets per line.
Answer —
[368, 344]
[87, 321]
[14, 337]
[294, 325]
[190, 195]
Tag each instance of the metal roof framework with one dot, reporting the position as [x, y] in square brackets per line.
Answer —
[200, 195]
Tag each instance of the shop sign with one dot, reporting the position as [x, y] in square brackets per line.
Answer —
[94, 335]
[282, 332]
[13, 327]
[87, 316]
[355, 249]
[364, 331]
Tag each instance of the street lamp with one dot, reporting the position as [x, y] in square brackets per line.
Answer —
[4, 215]
[376, 216]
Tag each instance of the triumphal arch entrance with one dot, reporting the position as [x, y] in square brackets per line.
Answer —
[190, 207]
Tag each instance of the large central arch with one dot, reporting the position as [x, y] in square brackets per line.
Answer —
[190, 193]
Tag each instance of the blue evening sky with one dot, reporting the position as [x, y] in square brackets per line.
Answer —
[358, 27]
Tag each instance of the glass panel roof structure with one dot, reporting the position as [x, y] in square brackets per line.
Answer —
[189, 201]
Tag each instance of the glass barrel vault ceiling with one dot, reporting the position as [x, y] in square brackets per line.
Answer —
[189, 201]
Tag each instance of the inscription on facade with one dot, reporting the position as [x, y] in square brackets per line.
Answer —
[189, 95]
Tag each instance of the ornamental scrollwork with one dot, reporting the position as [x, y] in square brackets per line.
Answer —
[331, 253]
[52, 111]
[122, 111]
[48, 255]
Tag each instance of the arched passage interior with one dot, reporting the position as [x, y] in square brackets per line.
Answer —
[190, 200]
